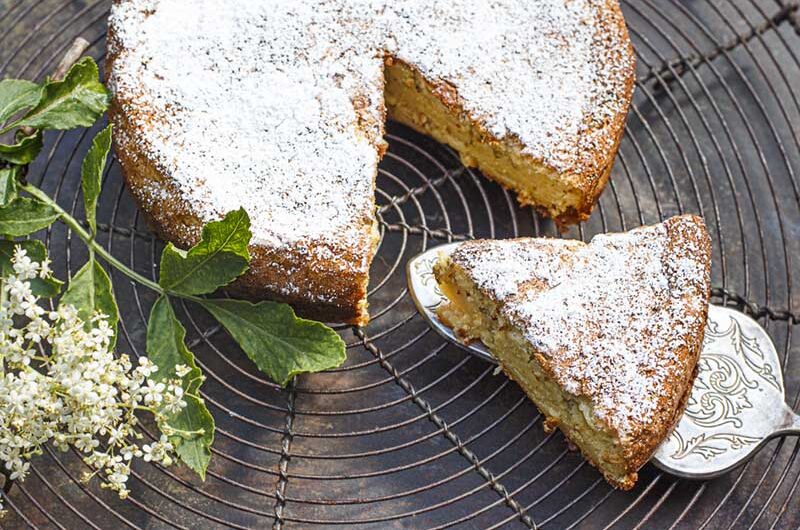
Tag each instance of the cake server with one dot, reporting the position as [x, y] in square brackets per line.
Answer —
[737, 403]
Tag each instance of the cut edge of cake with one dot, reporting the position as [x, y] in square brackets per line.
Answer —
[568, 194]
[475, 313]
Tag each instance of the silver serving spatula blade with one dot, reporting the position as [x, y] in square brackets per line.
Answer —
[737, 403]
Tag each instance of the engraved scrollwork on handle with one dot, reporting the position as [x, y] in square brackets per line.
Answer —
[733, 376]
[720, 392]
[747, 349]
[710, 445]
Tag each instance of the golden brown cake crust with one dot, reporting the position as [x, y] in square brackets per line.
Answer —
[639, 395]
[593, 168]
[175, 220]
[598, 145]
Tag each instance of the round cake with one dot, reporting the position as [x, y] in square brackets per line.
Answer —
[279, 107]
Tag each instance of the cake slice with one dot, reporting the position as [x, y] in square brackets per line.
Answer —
[603, 337]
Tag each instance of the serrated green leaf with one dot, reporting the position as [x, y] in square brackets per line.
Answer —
[24, 151]
[8, 185]
[281, 344]
[77, 101]
[44, 287]
[17, 95]
[193, 450]
[218, 259]
[90, 291]
[92, 174]
[166, 347]
[23, 216]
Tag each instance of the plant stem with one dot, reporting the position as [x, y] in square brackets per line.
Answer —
[96, 248]
[93, 245]
[71, 56]
[79, 45]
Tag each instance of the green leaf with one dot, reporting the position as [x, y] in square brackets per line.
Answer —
[8, 185]
[90, 292]
[193, 449]
[44, 287]
[17, 95]
[23, 216]
[219, 258]
[24, 151]
[92, 174]
[166, 347]
[280, 344]
[77, 101]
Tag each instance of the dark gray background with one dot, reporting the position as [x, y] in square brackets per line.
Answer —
[411, 432]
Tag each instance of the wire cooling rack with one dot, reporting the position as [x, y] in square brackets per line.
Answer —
[412, 432]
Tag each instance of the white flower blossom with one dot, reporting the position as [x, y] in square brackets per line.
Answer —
[44, 268]
[181, 370]
[61, 384]
[24, 268]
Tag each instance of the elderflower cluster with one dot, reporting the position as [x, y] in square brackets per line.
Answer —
[60, 383]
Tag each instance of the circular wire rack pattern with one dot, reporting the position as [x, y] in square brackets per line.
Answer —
[412, 432]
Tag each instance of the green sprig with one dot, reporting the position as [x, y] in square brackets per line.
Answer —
[280, 344]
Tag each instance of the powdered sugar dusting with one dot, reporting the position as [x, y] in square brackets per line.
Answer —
[251, 104]
[278, 106]
[551, 73]
[500, 267]
[611, 317]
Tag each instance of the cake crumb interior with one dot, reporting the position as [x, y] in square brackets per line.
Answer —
[474, 316]
[413, 101]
